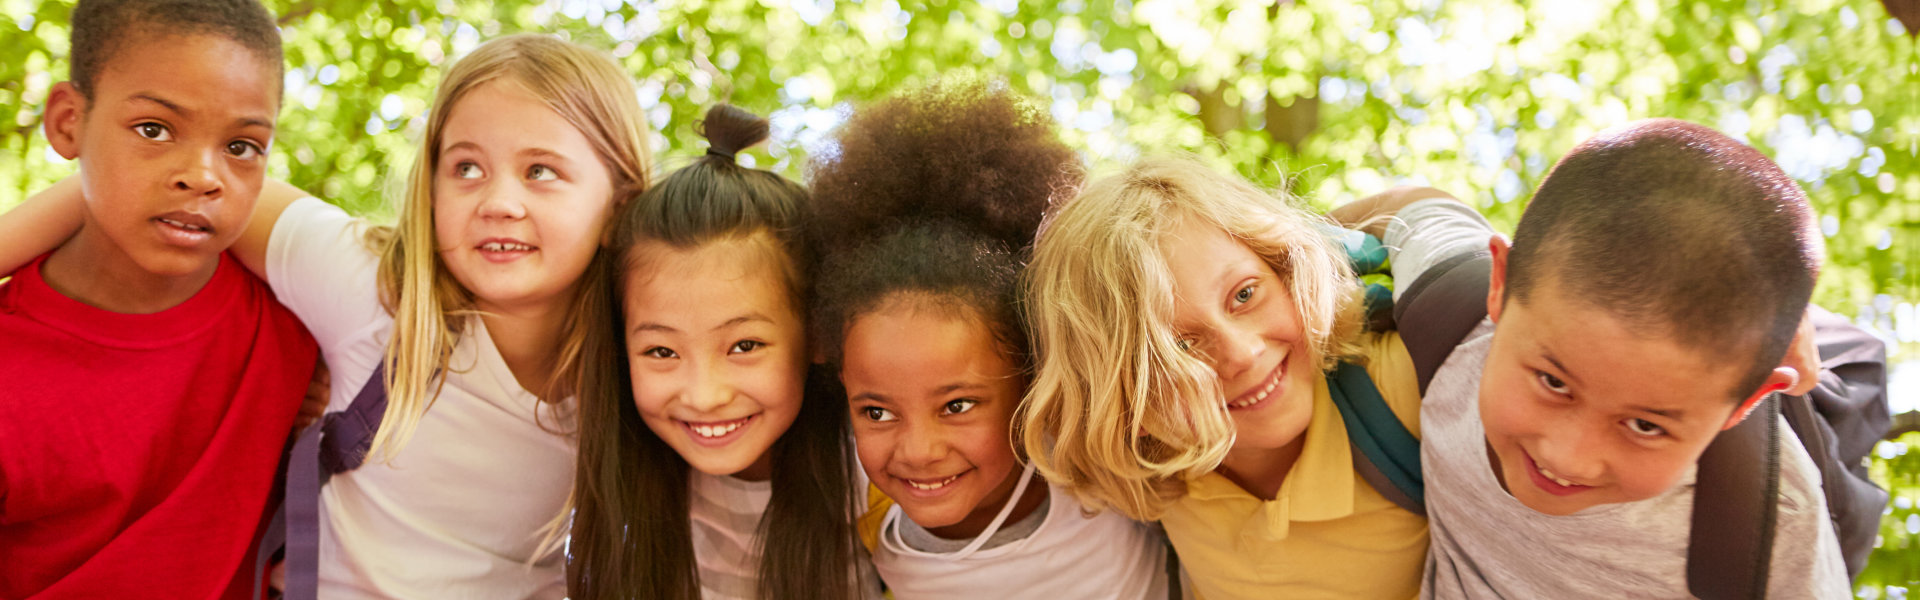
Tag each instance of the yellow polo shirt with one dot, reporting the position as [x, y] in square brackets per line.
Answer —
[1327, 533]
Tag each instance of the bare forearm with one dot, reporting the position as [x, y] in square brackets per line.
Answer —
[1371, 214]
[39, 225]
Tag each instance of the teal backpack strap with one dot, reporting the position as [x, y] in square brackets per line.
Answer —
[1385, 453]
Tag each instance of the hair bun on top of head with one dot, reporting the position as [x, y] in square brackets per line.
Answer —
[730, 129]
[964, 150]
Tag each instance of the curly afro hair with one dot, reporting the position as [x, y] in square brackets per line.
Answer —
[936, 191]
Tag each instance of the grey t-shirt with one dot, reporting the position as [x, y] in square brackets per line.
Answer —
[1486, 544]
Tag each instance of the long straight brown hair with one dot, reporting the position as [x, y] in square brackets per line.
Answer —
[632, 537]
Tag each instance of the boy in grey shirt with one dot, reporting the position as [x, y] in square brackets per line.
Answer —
[1647, 303]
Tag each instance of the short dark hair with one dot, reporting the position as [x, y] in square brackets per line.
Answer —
[937, 192]
[1679, 230]
[102, 28]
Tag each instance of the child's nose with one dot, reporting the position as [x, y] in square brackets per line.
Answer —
[198, 174]
[923, 446]
[707, 393]
[502, 202]
[1238, 351]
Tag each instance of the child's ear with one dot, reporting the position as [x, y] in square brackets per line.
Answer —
[66, 107]
[1781, 379]
[1803, 356]
[1497, 280]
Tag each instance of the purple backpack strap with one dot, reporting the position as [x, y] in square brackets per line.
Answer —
[336, 444]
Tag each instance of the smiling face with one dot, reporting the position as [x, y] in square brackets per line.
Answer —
[933, 396]
[1580, 410]
[519, 198]
[1235, 312]
[716, 349]
[172, 149]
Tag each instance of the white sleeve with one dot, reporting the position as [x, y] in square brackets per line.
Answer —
[1429, 231]
[321, 268]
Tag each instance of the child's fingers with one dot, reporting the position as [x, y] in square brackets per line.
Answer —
[319, 391]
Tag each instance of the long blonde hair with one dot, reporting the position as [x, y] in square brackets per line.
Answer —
[430, 308]
[1118, 412]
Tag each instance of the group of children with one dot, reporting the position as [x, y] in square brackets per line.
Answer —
[947, 367]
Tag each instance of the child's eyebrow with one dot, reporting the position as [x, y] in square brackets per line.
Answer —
[184, 112]
[1548, 354]
[543, 153]
[1674, 414]
[749, 317]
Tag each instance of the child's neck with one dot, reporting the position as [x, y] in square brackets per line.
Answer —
[528, 339]
[1261, 472]
[95, 271]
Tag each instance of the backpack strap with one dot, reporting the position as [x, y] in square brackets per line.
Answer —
[1385, 453]
[336, 444]
[1727, 554]
[1437, 310]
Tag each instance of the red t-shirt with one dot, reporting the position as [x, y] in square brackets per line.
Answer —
[137, 452]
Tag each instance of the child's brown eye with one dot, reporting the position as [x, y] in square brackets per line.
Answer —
[658, 352]
[244, 150]
[876, 414]
[745, 346]
[1554, 384]
[1644, 427]
[959, 406]
[153, 131]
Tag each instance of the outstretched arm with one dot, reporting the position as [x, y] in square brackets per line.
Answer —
[251, 248]
[40, 224]
[48, 218]
[1372, 213]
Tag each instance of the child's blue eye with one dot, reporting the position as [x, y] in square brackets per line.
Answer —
[541, 173]
[467, 170]
[1186, 344]
[745, 346]
[153, 131]
[877, 414]
[958, 406]
[1645, 428]
[659, 352]
[1244, 296]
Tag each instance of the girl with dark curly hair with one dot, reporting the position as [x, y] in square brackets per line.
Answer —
[925, 210]
[711, 373]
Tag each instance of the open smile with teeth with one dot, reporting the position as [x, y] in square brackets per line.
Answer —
[928, 487]
[1554, 478]
[182, 225]
[505, 247]
[719, 429]
[1273, 381]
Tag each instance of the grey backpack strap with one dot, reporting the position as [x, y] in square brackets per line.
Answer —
[1437, 310]
[1734, 506]
[336, 444]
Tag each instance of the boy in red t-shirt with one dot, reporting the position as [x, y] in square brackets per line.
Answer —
[147, 381]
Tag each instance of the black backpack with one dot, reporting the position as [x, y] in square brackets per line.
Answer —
[1739, 474]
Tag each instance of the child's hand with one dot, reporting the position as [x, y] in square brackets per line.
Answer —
[319, 392]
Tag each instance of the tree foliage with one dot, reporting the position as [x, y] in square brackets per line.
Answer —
[1329, 100]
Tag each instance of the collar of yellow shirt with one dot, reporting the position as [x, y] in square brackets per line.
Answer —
[1319, 488]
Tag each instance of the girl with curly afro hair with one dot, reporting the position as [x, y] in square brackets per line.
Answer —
[926, 206]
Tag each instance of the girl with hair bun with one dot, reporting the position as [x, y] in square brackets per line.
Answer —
[926, 210]
[707, 470]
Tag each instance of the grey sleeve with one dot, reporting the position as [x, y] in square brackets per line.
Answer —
[1806, 552]
[1429, 231]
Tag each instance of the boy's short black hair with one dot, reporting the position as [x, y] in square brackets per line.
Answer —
[102, 28]
[1678, 230]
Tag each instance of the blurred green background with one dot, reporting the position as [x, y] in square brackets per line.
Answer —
[1327, 100]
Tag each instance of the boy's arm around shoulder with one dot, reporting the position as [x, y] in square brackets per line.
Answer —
[251, 248]
[49, 218]
[42, 223]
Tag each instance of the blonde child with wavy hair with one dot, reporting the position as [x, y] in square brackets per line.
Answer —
[465, 323]
[1184, 323]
